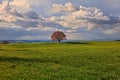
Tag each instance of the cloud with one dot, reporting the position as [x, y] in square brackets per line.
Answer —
[21, 34]
[115, 30]
[31, 15]
[26, 5]
[12, 18]
[26, 23]
[87, 18]
[74, 20]
[21, 5]
[108, 6]
[67, 7]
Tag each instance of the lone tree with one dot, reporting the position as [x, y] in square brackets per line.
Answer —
[58, 35]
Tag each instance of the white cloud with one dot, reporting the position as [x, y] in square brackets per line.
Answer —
[86, 18]
[30, 20]
[20, 5]
[67, 7]
[26, 5]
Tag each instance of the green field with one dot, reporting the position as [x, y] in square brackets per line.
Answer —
[65, 61]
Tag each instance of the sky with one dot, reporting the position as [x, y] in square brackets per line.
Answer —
[78, 19]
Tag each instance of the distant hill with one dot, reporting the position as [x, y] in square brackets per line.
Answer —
[27, 41]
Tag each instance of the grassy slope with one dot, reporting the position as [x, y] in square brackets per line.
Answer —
[66, 61]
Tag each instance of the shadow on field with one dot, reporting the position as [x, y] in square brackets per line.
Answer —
[16, 59]
[76, 43]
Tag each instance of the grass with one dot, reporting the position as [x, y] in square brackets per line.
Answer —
[65, 61]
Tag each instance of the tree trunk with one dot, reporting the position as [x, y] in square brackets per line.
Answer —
[59, 41]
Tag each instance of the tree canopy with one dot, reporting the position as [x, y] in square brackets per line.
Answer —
[58, 35]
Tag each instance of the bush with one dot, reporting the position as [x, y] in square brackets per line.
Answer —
[5, 42]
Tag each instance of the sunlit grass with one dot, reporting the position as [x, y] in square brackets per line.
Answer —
[65, 61]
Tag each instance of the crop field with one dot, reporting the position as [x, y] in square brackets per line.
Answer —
[64, 61]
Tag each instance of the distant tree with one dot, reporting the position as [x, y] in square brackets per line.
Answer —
[5, 42]
[58, 35]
